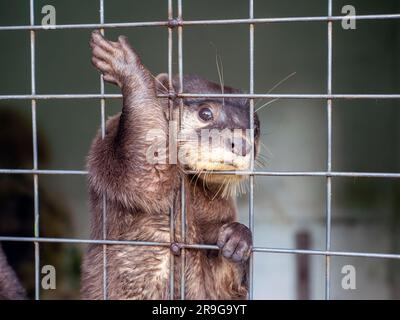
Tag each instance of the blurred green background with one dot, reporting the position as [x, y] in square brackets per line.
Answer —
[366, 133]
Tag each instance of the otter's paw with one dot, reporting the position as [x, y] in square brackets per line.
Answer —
[235, 241]
[117, 61]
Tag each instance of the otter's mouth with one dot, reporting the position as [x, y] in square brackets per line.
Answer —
[220, 185]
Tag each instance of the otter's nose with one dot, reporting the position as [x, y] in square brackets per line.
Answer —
[238, 146]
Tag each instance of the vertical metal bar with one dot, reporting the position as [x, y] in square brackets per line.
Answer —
[35, 153]
[183, 193]
[103, 134]
[329, 159]
[251, 178]
[170, 106]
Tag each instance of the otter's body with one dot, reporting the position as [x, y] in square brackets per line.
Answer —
[142, 272]
[139, 196]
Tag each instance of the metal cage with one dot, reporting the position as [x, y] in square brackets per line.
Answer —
[177, 22]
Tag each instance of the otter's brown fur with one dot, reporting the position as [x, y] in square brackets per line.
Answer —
[139, 196]
[10, 287]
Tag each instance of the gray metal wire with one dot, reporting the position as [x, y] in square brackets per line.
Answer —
[251, 114]
[35, 152]
[183, 191]
[171, 105]
[329, 158]
[180, 23]
[387, 175]
[103, 134]
[199, 246]
[200, 22]
[207, 95]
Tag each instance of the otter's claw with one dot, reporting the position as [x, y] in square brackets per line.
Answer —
[235, 241]
[115, 60]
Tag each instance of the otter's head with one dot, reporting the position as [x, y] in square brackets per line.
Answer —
[215, 132]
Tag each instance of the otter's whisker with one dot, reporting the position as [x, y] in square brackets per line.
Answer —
[219, 189]
[269, 153]
[220, 70]
[155, 78]
[195, 184]
[276, 86]
[282, 81]
[267, 104]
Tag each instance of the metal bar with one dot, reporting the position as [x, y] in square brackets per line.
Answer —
[292, 96]
[37, 171]
[199, 22]
[35, 153]
[251, 178]
[84, 241]
[329, 159]
[329, 253]
[60, 96]
[309, 174]
[387, 175]
[170, 106]
[183, 191]
[289, 19]
[206, 95]
[199, 246]
[103, 134]
[180, 23]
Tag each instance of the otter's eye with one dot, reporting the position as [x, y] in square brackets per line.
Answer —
[206, 114]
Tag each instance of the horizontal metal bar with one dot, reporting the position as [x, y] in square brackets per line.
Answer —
[84, 241]
[205, 95]
[393, 175]
[60, 96]
[328, 253]
[28, 171]
[308, 174]
[177, 22]
[291, 19]
[87, 26]
[292, 96]
[199, 246]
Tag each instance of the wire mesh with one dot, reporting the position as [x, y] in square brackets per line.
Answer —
[171, 23]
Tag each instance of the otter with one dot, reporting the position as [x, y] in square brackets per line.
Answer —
[10, 287]
[139, 193]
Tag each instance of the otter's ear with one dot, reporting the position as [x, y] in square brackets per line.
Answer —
[162, 83]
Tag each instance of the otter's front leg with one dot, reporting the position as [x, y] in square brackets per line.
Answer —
[119, 165]
[230, 268]
[235, 241]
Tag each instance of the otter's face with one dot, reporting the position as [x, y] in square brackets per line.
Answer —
[215, 135]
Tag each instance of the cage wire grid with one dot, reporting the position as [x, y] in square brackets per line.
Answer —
[178, 23]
